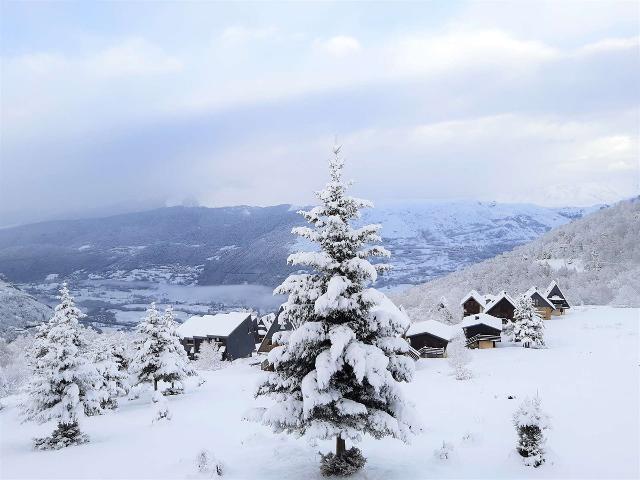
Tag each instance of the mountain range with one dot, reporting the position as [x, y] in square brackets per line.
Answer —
[236, 245]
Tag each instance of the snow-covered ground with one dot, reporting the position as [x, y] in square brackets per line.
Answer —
[588, 379]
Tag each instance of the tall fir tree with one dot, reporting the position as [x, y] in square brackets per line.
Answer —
[64, 385]
[159, 355]
[528, 325]
[337, 374]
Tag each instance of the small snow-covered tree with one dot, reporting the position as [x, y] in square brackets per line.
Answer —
[209, 357]
[444, 312]
[62, 377]
[337, 374]
[458, 356]
[530, 422]
[113, 380]
[528, 326]
[159, 355]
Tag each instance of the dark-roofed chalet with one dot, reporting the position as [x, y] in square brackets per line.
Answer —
[481, 330]
[234, 332]
[267, 342]
[543, 305]
[502, 306]
[472, 303]
[555, 295]
[429, 338]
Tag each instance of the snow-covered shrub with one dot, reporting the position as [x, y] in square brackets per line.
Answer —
[207, 463]
[528, 326]
[342, 465]
[162, 411]
[458, 356]
[530, 422]
[337, 374]
[209, 357]
[14, 368]
[444, 452]
[63, 382]
[113, 381]
[159, 355]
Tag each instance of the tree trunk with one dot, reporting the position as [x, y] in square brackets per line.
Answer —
[155, 384]
[340, 447]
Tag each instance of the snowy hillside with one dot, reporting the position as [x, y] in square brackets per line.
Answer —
[595, 259]
[19, 310]
[234, 245]
[593, 422]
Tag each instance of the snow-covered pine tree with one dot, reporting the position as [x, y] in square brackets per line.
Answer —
[459, 357]
[530, 422]
[209, 357]
[337, 374]
[61, 377]
[114, 381]
[121, 349]
[159, 355]
[528, 325]
[444, 311]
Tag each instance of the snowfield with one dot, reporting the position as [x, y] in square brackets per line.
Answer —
[588, 379]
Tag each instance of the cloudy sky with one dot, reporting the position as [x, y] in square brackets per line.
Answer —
[119, 106]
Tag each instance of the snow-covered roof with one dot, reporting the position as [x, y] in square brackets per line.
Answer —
[432, 327]
[551, 287]
[475, 295]
[533, 290]
[497, 298]
[482, 319]
[219, 325]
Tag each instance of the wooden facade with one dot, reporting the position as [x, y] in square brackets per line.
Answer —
[471, 307]
[544, 307]
[427, 340]
[502, 308]
[555, 296]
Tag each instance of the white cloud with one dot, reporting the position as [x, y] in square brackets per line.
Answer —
[132, 57]
[338, 46]
[239, 34]
[610, 45]
[457, 50]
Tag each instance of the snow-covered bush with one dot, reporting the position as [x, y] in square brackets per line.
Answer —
[63, 382]
[444, 452]
[528, 326]
[14, 368]
[444, 312]
[158, 353]
[458, 356]
[337, 374]
[530, 422]
[343, 464]
[206, 462]
[209, 357]
[161, 411]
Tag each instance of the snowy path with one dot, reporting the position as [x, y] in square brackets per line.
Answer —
[588, 379]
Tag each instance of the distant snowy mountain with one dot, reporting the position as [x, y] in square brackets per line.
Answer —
[19, 310]
[596, 260]
[235, 245]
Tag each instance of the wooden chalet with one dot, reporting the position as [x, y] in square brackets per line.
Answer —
[543, 305]
[429, 338]
[481, 330]
[501, 306]
[263, 324]
[234, 332]
[555, 296]
[472, 303]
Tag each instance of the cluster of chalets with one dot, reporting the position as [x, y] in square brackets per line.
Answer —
[483, 320]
